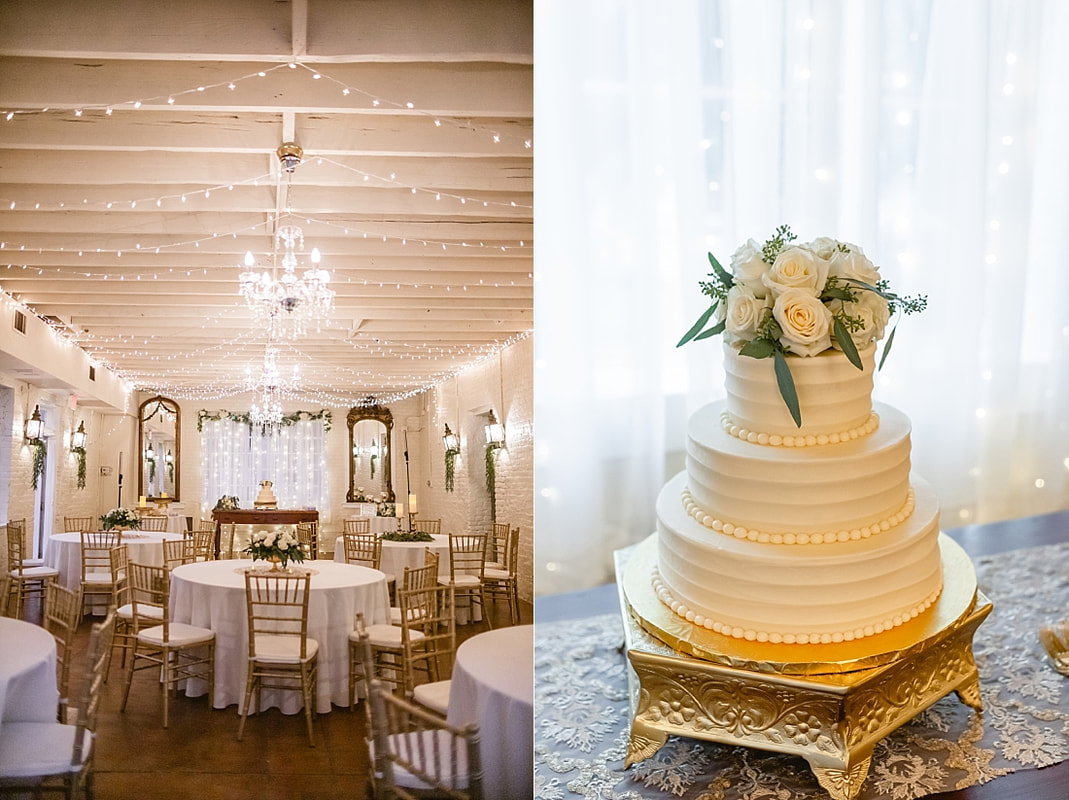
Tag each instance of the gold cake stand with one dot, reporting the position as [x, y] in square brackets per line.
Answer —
[829, 704]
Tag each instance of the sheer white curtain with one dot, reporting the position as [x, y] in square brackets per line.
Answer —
[930, 133]
[237, 456]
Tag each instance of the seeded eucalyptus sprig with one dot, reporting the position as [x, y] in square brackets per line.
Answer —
[774, 246]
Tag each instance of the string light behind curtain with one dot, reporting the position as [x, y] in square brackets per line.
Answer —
[236, 457]
[929, 133]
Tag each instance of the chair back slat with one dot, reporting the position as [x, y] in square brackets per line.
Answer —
[62, 613]
[78, 524]
[177, 552]
[277, 605]
[154, 523]
[361, 525]
[96, 551]
[362, 549]
[467, 554]
[204, 545]
[308, 538]
[150, 587]
[427, 525]
[100, 641]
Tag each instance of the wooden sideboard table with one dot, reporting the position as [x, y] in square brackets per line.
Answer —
[260, 516]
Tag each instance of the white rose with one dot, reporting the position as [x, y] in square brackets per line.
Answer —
[824, 247]
[748, 266]
[797, 268]
[806, 322]
[744, 314]
[284, 545]
[854, 265]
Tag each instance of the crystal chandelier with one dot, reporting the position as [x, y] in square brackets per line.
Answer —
[271, 386]
[288, 304]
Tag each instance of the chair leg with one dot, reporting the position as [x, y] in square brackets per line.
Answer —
[307, 685]
[249, 684]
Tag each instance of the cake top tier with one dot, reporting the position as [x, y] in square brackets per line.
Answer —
[805, 309]
[835, 396]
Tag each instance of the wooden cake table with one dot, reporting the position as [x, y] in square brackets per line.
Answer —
[829, 704]
[260, 516]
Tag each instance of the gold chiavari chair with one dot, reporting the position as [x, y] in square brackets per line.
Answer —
[26, 579]
[501, 583]
[467, 563]
[96, 566]
[432, 526]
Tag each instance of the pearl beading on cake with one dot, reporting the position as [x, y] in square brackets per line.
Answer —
[811, 440]
[740, 532]
[773, 637]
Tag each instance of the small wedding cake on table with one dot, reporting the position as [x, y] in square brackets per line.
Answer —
[265, 498]
[798, 571]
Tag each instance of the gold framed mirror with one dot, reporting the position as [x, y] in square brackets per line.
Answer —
[370, 456]
[159, 447]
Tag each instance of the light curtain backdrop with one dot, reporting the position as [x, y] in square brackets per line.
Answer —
[932, 134]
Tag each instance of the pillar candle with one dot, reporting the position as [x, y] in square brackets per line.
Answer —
[141, 502]
[412, 504]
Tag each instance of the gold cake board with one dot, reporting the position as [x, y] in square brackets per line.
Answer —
[829, 704]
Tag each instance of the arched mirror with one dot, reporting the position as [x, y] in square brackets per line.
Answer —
[370, 476]
[159, 443]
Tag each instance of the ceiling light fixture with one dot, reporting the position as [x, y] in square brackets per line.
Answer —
[287, 304]
[271, 386]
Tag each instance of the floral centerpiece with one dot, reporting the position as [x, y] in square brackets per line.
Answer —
[360, 496]
[783, 299]
[387, 509]
[119, 518]
[278, 547]
[407, 536]
[227, 503]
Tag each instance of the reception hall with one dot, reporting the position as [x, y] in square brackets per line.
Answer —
[267, 278]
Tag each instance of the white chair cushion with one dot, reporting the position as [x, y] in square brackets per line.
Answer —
[180, 635]
[434, 696]
[126, 612]
[98, 577]
[33, 562]
[465, 580]
[497, 574]
[395, 615]
[385, 636]
[283, 649]
[28, 749]
[432, 740]
[36, 573]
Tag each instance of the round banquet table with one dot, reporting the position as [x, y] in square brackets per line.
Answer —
[28, 690]
[493, 686]
[398, 555]
[211, 594]
[64, 552]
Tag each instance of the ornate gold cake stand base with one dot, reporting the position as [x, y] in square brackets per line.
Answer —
[831, 710]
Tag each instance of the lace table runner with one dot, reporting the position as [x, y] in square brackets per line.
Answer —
[582, 714]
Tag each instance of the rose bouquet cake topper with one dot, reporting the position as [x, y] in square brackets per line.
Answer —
[785, 299]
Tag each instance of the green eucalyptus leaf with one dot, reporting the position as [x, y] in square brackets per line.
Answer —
[842, 336]
[721, 273]
[757, 348]
[713, 331]
[887, 346]
[837, 293]
[697, 326]
[786, 387]
[870, 288]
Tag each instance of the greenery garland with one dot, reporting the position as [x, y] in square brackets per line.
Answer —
[373, 457]
[80, 453]
[450, 468]
[491, 478]
[38, 462]
[288, 419]
[151, 469]
[407, 536]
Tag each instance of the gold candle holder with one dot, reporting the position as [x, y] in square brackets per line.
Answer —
[829, 704]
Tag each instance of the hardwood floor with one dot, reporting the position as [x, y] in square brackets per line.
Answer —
[199, 757]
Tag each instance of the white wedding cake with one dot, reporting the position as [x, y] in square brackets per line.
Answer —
[798, 533]
[265, 498]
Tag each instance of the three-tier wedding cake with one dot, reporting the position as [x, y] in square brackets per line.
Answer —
[797, 519]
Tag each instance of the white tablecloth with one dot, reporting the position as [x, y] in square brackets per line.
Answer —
[211, 595]
[64, 552]
[493, 686]
[28, 690]
[398, 555]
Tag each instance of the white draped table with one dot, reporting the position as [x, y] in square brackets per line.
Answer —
[493, 686]
[28, 691]
[398, 555]
[64, 552]
[211, 594]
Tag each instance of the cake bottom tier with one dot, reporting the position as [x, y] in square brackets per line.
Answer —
[814, 593]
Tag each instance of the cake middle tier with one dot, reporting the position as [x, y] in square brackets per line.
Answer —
[825, 489]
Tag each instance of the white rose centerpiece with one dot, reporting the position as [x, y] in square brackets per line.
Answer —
[119, 518]
[797, 300]
[278, 547]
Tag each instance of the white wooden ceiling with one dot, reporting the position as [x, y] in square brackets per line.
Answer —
[138, 164]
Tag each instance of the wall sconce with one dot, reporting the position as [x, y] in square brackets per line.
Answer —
[150, 454]
[495, 432]
[451, 440]
[34, 424]
[169, 458]
[357, 451]
[79, 437]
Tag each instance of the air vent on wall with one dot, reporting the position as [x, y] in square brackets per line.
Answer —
[20, 322]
